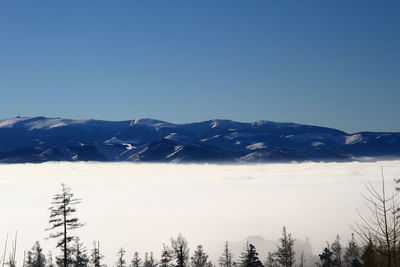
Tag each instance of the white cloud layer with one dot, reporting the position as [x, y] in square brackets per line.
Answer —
[141, 206]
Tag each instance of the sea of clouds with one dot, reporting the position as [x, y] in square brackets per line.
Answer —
[140, 206]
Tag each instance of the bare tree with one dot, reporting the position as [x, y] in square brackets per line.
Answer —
[12, 260]
[381, 224]
[3, 259]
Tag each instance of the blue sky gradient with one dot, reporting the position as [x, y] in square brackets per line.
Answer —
[329, 63]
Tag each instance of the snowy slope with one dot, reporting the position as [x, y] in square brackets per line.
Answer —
[41, 139]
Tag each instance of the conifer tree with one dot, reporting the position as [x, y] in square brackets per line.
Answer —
[352, 253]
[326, 257]
[166, 256]
[226, 259]
[121, 260]
[181, 251]
[285, 253]
[152, 261]
[136, 260]
[80, 258]
[337, 252]
[249, 257]
[146, 259]
[369, 256]
[49, 261]
[35, 257]
[39, 260]
[95, 256]
[302, 260]
[62, 221]
[272, 261]
[29, 259]
[200, 258]
[149, 261]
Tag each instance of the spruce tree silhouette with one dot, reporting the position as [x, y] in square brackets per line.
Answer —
[285, 253]
[166, 256]
[96, 256]
[80, 258]
[62, 219]
[226, 259]
[250, 257]
[36, 257]
[181, 251]
[200, 258]
[136, 260]
[121, 260]
[326, 258]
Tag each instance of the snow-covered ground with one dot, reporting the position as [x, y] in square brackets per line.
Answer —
[140, 206]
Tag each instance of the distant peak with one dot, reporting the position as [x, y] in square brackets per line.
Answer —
[255, 238]
[224, 123]
[150, 122]
[261, 122]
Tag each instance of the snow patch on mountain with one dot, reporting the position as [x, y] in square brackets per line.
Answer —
[211, 138]
[256, 146]
[177, 150]
[151, 123]
[39, 123]
[52, 123]
[115, 140]
[317, 143]
[352, 139]
[8, 123]
[178, 138]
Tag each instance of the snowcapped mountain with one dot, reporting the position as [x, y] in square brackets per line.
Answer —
[41, 139]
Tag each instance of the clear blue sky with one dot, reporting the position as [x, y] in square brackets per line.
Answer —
[331, 63]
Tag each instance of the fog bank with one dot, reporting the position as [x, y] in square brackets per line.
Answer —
[140, 206]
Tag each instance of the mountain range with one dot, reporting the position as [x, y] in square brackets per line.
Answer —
[41, 139]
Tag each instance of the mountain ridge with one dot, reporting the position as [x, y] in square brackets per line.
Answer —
[41, 139]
